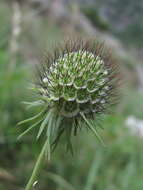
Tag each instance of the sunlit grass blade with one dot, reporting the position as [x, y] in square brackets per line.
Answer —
[92, 129]
[29, 129]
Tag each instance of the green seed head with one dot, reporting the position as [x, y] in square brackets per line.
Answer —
[76, 83]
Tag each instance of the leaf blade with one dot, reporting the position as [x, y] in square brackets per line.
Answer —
[43, 125]
[29, 129]
[31, 118]
[93, 129]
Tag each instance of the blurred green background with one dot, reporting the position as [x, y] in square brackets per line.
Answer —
[27, 29]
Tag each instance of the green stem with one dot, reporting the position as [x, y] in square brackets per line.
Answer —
[37, 168]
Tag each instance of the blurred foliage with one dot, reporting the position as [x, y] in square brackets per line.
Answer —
[93, 15]
[118, 166]
[133, 35]
[125, 19]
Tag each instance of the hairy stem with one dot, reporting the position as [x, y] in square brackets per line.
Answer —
[37, 168]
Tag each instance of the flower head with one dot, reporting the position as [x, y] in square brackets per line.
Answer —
[79, 81]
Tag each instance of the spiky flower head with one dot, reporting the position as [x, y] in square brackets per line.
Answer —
[76, 83]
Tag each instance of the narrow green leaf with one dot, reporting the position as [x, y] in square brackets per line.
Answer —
[48, 150]
[68, 137]
[92, 129]
[49, 131]
[29, 129]
[33, 104]
[58, 122]
[55, 126]
[43, 125]
[55, 142]
[31, 118]
[50, 125]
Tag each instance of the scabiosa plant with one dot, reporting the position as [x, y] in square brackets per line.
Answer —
[74, 85]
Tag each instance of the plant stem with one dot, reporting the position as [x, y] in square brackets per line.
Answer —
[37, 168]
